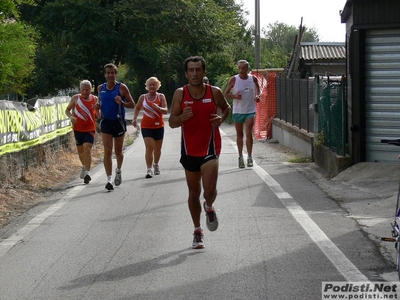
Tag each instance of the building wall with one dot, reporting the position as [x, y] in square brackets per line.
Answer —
[328, 70]
[376, 13]
[361, 16]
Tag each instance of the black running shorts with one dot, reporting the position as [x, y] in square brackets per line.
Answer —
[116, 128]
[194, 163]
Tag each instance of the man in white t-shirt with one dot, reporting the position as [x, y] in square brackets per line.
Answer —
[243, 88]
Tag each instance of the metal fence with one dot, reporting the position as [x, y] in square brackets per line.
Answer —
[14, 165]
[332, 117]
[295, 102]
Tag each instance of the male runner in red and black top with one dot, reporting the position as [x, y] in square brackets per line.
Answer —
[194, 109]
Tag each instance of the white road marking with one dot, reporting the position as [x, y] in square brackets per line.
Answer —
[331, 251]
[15, 238]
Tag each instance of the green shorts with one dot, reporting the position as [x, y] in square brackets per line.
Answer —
[241, 118]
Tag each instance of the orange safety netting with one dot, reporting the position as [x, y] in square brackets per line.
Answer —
[266, 108]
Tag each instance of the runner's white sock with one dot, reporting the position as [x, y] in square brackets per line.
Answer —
[207, 207]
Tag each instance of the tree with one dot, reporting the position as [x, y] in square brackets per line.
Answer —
[173, 30]
[150, 38]
[77, 38]
[17, 48]
[9, 8]
[278, 41]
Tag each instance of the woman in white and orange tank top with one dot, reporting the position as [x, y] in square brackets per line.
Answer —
[154, 106]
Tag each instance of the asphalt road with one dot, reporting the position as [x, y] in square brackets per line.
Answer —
[280, 237]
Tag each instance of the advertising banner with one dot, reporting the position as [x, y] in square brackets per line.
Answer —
[23, 126]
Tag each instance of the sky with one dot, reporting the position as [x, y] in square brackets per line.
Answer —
[323, 15]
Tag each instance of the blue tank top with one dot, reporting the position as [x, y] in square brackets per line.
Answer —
[110, 110]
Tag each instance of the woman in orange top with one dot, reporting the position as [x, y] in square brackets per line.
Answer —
[85, 107]
[154, 106]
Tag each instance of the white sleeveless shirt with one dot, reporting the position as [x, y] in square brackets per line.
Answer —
[247, 88]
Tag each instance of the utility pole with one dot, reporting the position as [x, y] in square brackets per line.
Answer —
[257, 35]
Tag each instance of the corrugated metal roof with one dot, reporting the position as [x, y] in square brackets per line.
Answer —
[313, 51]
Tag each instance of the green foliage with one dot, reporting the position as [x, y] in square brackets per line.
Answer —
[173, 30]
[151, 38]
[217, 64]
[9, 8]
[310, 35]
[77, 40]
[16, 56]
[17, 48]
[278, 43]
[300, 160]
[145, 38]
[222, 82]
[320, 139]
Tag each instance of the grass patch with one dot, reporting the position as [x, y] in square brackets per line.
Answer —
[300, 160]
[129, 140]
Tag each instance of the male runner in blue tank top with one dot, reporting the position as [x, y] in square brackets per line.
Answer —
[114, 97]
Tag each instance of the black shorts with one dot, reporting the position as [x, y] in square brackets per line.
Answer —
[84, 137]
[194, 163]
[115, 128]
[154, 133]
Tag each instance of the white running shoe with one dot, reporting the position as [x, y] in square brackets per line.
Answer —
[211, 218]
[249, 161]
[241, 162]
[82, 175]
[149, 173]
[118, 177]
[156, 170]
[198, 239]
